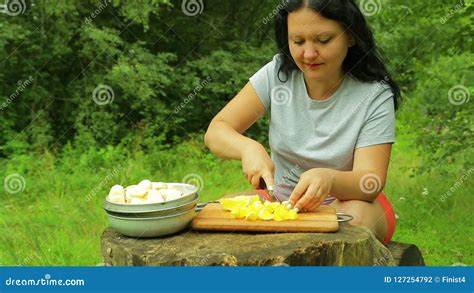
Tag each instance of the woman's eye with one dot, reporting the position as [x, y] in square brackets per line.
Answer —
[298, 42]
[324, 41]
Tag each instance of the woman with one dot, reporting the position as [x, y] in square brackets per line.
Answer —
[332, 104]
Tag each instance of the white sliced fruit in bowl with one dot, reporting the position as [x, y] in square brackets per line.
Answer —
[148, 192]
[146, 184]
[138, 200]
[134, 191]
[117, 190]
[155, 196]
[115, 198]
[159, 185]
[170, 194]
[117, 194]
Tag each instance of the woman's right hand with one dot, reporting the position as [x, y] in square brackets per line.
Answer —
[257, 164]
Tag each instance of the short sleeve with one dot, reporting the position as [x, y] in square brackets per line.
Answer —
[379, 126]
[263, 81]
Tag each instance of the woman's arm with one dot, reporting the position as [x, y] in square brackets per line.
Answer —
[368, 175]
[364, 182]
[224, 136]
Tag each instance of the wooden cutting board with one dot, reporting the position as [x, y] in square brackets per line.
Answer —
[214, 218]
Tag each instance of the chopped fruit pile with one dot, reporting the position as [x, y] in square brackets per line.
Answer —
[143, 193]
[251, 208]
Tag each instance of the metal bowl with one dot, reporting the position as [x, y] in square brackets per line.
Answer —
[190, 195]
[161, 213]
[146, 227]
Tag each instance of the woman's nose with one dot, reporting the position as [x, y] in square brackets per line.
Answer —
[310, 53]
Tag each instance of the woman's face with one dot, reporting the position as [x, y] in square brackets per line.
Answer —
[317, 44]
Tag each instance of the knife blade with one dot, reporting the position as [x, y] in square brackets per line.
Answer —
[270, 190]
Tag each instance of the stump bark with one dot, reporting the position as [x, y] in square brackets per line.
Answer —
[350, 246]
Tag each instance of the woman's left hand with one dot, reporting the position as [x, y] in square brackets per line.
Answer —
[313, 187]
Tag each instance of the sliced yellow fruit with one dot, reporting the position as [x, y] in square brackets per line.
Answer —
[292, 214]
[278, 217]
[251, 208]
[239, 213]
[265, 215]
[252, 216]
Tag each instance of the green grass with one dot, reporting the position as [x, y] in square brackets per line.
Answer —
[58, 219]
[443, 230]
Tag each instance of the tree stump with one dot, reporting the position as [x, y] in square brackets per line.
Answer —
[406, 254]
[350, 246]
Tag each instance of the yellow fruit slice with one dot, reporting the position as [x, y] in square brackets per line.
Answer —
[265, 215]
[254, 199]
[252, 216]
[278, 217]
[251, 208]
[292, 214]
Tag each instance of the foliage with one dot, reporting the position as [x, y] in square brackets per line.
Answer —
[170, 73]
[429, 47]
[153, 57]
[164, 74]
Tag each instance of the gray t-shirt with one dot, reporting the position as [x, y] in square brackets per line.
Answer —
[306, 133]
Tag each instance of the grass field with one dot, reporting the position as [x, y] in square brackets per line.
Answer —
[57, 219]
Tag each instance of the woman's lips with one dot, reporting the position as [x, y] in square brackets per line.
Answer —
[313, 65]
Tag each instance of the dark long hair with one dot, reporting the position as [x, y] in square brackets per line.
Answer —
[363, 60]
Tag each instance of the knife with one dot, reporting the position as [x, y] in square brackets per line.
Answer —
[270, 191]
[272, 194]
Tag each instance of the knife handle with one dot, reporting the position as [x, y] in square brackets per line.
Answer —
[262, 184]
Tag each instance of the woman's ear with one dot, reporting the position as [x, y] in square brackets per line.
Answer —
[351, 41]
